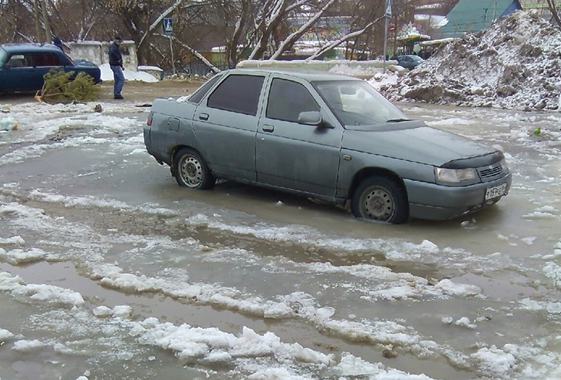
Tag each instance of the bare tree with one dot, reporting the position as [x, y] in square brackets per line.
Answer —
[165, 13]
[292, 38]
[346, 37]
[18, 21]
[195, 53]
[254, 29]
[236, 16]
[269, 16]
[553, 9]
[79, 20]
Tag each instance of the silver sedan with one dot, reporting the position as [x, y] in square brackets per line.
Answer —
[324, 136]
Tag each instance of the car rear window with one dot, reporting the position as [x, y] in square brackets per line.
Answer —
[202, 91]
[238, 93]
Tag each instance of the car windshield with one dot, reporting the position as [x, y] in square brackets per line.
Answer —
[357, 103]
[3, 56]
[416, 58]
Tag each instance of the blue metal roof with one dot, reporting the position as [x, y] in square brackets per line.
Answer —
[475, 15]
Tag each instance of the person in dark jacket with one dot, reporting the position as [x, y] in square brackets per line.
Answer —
[116, 64]
[57, 42]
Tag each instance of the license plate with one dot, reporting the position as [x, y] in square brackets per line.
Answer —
[495, 192]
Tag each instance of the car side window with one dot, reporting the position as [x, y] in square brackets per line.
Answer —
[19, 60]
[287, 99]
[238, 93]
[46, 59]
[202, 91]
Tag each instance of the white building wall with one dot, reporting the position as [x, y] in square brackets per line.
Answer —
[97, 52]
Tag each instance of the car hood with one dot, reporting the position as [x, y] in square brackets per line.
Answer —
[84, 63]
[412, 141]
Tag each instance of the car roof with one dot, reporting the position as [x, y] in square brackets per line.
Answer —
[409, 55]
[28, 47]
[309, 75]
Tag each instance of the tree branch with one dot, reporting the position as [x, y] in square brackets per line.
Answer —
[291, 39]
[553, 9]
[193, 51]
[334, 44]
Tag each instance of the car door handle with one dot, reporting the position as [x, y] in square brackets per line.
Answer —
[268, 128]
[203, 116]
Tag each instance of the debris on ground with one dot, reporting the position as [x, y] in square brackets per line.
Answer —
[8, 124]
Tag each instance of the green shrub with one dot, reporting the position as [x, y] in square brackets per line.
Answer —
[59, 87]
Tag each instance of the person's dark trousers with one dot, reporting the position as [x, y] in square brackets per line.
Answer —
[119, 78]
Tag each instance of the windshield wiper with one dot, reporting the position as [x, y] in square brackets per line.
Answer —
[397, 120]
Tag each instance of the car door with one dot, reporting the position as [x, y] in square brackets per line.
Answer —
[225, 124]
[45, 62]
[292, 155]
[18, 73]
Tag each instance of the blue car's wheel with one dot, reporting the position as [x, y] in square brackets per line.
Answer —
[380, 199]
[191, 170]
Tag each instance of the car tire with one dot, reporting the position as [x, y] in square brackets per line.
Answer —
[380, 199]
[191, 170]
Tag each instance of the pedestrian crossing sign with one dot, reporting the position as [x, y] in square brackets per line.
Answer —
[168, 26]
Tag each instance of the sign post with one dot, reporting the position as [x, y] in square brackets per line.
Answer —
[387, 16]
[167, 24]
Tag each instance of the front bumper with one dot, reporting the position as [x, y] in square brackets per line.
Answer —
[438, 202]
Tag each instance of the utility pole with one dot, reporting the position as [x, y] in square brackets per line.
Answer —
[49, 38]
[37, 23]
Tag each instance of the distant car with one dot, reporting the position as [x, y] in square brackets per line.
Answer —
[409, 61]
[324, 136]
[23, 65]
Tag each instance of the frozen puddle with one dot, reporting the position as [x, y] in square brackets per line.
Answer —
[108, 270]
[70, 325]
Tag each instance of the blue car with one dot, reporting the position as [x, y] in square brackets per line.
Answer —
[409, 61]
[23, 65]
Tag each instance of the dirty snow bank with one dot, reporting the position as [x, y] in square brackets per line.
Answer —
[514, 64]
[142, 76]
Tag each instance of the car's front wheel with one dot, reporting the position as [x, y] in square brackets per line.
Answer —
[381, 199]
[191, 170]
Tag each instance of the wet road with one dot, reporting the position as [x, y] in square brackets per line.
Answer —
[85, 210]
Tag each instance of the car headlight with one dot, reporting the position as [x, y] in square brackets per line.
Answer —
[504, 166]
[456, 176]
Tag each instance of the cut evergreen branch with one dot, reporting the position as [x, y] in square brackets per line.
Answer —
[67, 87]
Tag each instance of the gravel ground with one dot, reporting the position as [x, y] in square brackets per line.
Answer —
[133, 91]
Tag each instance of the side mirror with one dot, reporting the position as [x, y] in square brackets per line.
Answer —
[310, 118]
[313, 118]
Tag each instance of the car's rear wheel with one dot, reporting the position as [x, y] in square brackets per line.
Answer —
[191, 170]
[381, 199]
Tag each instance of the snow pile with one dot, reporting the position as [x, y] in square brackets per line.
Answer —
[28, 345]
[513, 64]
[191, 343]
[380, 80]
[19, 256]
[354, 70]
[5, 335]
[48, 294]
[142, 76]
